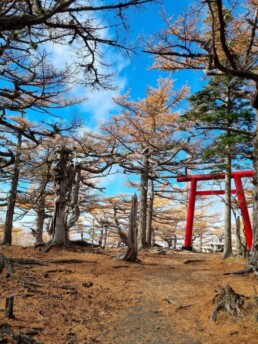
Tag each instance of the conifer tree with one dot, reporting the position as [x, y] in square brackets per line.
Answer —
[222, 106]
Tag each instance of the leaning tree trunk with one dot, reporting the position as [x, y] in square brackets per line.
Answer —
[143, 203]
[8, 225]
[132, 249]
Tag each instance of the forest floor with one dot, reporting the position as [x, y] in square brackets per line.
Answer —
[167, 298]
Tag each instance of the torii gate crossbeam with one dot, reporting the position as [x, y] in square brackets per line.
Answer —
[240, 196]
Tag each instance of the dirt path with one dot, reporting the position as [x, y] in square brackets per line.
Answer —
[100, 300]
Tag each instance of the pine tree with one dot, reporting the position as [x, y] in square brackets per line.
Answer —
[222, 106]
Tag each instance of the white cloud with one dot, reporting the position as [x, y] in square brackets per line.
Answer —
[116, 182]
[99, 104]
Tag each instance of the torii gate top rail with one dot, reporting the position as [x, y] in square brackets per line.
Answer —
[237, 175]
[213, 176]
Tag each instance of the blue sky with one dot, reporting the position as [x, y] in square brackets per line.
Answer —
[134, 74]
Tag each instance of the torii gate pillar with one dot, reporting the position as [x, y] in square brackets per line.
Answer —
[192, 198]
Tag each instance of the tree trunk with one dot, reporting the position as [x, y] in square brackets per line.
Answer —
[169, 243]
[175, 242]
[121, 234]
[253, 258]
[132, 249]
[227, 220]
[58, 225]
[143, 202]
[40, 219]
[67, 185]
[101, 238]
[73, 186]
[201, 238]
[8, 225]
[105, 236]
[150, 213]
[241, 247]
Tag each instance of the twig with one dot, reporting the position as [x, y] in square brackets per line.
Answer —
[184, 306]
[188, 261]
[64, 287]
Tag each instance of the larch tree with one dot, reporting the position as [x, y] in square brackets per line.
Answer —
[168, 219]
[112, 214]
[61, 174]
[147, 135]
[76, 160]
[219, 37]
[15, 172]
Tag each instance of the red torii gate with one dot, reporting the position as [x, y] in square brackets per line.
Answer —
[192, 198]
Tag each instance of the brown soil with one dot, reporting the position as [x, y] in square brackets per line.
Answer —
[101, 300]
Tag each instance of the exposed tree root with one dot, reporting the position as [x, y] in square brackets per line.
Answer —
[39, 244]
[25, 283]
[240, 272]
[189, 261]
[5, 263]
[6, 331]
[70, 261]
[71, 244]
[229, 301]
[22, 261]
[130, 255]
[79, 243]
[48, 247]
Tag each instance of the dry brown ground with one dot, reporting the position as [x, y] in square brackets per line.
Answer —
[107, 301]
